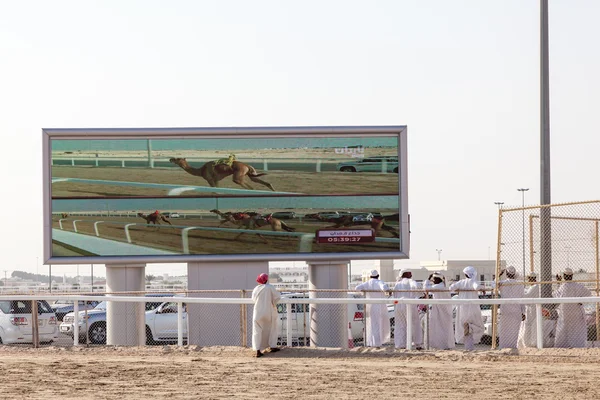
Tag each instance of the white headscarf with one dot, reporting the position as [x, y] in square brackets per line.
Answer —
[470, 272]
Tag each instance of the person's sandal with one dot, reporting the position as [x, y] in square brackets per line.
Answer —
[275, 350]
[259, 354]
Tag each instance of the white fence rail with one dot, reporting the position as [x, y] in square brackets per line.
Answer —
[538, 302]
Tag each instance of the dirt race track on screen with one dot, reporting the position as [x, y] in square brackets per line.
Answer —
[213, 242]
[283, 181]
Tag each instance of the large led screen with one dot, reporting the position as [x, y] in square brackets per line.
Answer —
[189, 195]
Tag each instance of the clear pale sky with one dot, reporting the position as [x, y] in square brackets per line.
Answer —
[462, 75]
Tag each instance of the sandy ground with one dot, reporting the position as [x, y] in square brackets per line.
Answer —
[233, 372]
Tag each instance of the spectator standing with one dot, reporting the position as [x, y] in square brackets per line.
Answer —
[377, 321]
[511, 315]
[406, 288]
[441, 335]
[571, 328]
[468, 328]
[528, 330]
[264, 317]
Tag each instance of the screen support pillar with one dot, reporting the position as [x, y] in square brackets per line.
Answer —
[328, 322]
[125, 322]
[222, 324]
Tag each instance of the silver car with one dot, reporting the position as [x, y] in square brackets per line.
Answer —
[16, 322]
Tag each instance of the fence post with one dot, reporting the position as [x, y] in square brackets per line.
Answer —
[409, 327]
[243, 320]
[288, 324]
[539, 326]
[180, 323]
[76, 323]
[35, 331]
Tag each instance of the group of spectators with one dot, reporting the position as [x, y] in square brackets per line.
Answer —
[447, 327]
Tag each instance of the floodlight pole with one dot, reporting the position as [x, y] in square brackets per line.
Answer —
[439, 251]
[545, 212]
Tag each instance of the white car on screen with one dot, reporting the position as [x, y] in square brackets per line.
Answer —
[370, 164]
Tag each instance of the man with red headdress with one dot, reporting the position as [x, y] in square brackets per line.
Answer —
[264, 317]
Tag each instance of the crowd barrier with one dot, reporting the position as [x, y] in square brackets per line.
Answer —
[302, 320]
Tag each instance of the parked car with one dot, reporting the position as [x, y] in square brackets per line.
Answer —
[161, 323]
[370, 164]
[368, 217]
[16, 322]
[301, 320]
[63, 307]
[175, 215]
[284, 215]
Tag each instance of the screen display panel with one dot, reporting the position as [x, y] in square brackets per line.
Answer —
[202, 194]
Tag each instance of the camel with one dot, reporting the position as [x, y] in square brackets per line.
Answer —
[154, 218]
[213, 172]
[378, 223]
[253, 220]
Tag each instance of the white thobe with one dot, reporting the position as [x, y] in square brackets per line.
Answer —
[407, 289]
[377, 321]
[511, 315]
[528, 331]
[264, 316]
[571, 328]
[440, 318]
[468, 313]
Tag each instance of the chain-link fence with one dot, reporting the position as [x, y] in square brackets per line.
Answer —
[318, 318]
[550, 251]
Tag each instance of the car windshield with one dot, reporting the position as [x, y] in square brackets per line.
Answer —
[101, 305]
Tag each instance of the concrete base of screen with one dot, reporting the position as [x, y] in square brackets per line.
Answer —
[222, 324]
[125, 322]
[328, 322]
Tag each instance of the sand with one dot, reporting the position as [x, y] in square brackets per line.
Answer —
[192, 372]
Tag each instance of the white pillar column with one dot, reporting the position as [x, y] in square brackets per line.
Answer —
[125, 322]
[328, 322]
[221, 324]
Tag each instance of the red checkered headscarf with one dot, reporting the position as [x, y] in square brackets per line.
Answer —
[262, 279]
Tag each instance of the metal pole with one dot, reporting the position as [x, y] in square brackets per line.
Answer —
[523, 190]
[50, 277]
[150, 160]
[545, 212]
[538, 325]
[35, 328]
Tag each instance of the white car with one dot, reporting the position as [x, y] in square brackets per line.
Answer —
[301, 320]
[174, 215]
[16, 322]
[370, 164]
[368, 217]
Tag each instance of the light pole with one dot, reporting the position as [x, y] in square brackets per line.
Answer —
[499, 204]
[523, 190]
[439, 251]
[568, 248]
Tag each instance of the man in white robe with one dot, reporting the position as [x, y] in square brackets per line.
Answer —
[406, 288]
[441, 335]
[571, 328]
[264, 317]
[468, 327]
[511, 315]
[377, 321]
[528, 330]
